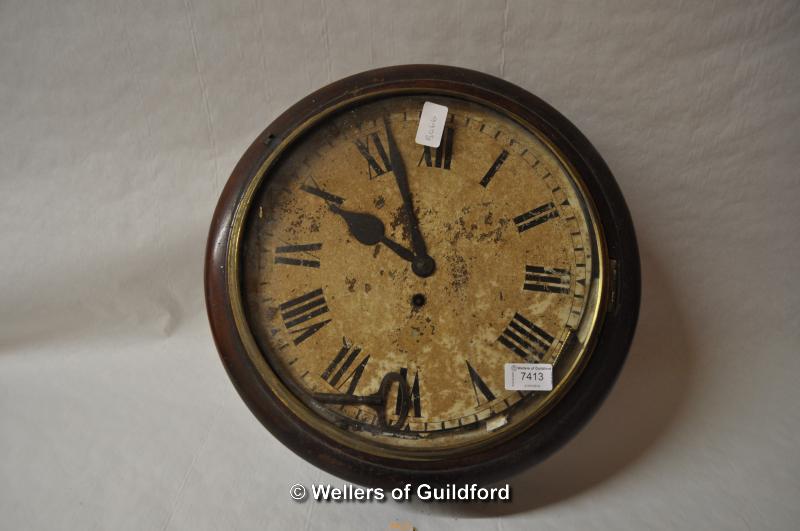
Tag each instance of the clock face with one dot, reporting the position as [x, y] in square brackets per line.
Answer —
[368, 259]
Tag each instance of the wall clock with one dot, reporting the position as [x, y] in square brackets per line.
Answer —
[392, 311]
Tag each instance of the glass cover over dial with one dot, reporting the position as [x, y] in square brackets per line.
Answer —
[388, 284]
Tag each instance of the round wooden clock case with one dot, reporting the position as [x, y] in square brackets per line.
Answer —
[367, 293]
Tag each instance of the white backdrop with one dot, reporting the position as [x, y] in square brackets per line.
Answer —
[120, 121]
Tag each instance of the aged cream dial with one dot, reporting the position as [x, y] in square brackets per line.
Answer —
[367, 255]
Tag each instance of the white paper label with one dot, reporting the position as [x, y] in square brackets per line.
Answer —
[431, 124]
[529, 377]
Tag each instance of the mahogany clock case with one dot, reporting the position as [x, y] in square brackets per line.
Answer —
[566, 417]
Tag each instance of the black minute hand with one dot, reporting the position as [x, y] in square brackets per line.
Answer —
[422, 265]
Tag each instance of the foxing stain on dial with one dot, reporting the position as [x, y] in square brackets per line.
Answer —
[332, 255]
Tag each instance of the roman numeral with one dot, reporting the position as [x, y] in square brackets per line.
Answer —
[415, 407]
[312, 188]
[535, 217]
[443, 156]
[305, 248]
[372, 165]
[525, 339]
[479, 385]
[297, 312]
[341, 363]
[546, 279]
[495, 166]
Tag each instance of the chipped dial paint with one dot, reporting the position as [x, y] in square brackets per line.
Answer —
[512, 242]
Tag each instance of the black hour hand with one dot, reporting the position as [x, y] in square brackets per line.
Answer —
[370, 230]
